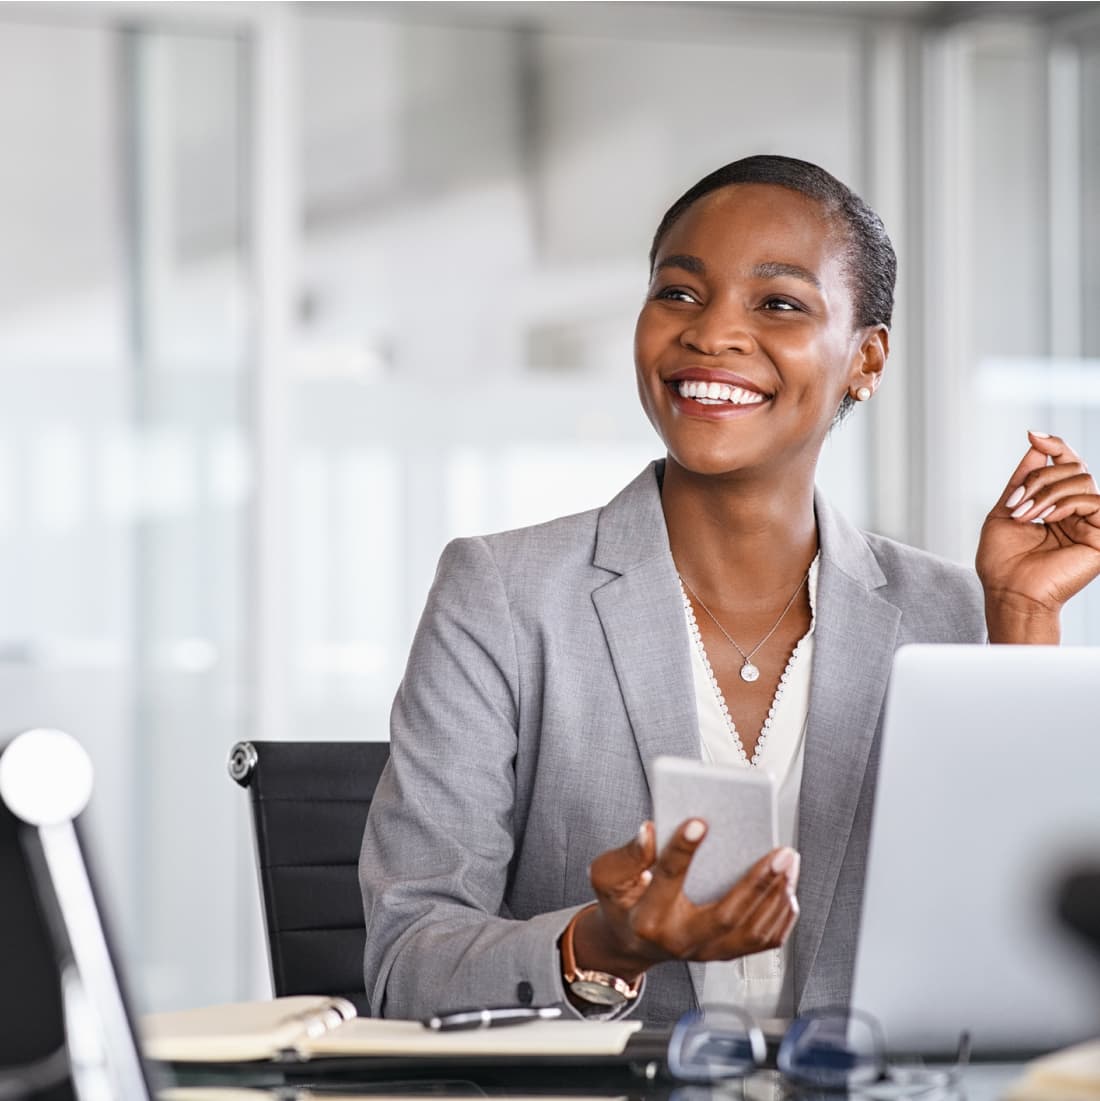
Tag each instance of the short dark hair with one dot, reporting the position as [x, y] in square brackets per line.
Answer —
[872, 263]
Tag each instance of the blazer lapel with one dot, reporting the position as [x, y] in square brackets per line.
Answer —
[854, 641]
[642, 615]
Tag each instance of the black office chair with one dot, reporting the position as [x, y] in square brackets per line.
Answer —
[309, 805]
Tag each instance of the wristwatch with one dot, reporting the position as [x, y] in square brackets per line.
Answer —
[598, 988]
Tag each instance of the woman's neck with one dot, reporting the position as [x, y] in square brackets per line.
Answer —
[737, 534]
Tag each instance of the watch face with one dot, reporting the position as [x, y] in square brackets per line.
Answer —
[597, 993]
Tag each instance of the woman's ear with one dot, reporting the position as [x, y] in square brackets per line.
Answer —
[870, 360]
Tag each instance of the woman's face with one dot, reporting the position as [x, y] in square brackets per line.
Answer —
[746, 343]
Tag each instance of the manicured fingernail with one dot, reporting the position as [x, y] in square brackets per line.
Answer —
[1016, 498]
[782, 860]
[1039, 435]
[694, 830]
[1025, 508]
[643, 833]
[796, 866]
[1046, 512]
[646, 878]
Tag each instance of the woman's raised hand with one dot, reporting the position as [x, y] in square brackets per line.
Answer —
[643, 916]
[1029, 570]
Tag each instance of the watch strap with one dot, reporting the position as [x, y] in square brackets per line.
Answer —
[577, 979]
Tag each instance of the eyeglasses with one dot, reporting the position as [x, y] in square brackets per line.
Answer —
[826, 1050]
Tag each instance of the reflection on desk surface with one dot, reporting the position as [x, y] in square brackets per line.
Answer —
[983, 1082]
[383, 1093]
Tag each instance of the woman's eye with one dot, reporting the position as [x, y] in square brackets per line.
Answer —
[676, 294]
[781, 305]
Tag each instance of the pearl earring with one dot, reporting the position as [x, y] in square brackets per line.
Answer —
[863, 393]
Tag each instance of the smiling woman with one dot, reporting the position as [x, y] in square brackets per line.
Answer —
[716, 608]
[751, 289]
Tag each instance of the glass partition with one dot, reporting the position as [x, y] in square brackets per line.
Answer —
[478, 205]
[124, 462]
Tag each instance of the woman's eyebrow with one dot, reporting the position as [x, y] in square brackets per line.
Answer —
[772, 268]
[690, 264]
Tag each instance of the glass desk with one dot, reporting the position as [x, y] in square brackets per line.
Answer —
[978, 1082]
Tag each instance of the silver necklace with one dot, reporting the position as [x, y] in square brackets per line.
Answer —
[749, 672]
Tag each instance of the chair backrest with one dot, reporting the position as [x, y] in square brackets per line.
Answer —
[309, 807]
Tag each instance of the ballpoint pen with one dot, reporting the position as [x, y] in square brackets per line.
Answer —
[498, 1017]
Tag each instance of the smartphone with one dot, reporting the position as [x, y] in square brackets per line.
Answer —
[739, 808]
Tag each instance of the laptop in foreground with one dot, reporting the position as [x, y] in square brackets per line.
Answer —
[988, 794]
[67, 1031]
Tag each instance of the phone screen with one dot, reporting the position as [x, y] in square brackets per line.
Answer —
[739, 808]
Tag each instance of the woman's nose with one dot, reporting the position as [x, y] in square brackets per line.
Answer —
[714, 331]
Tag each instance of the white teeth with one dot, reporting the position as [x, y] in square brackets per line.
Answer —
[714, 393]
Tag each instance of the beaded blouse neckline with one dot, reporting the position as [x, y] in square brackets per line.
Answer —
[780, 688]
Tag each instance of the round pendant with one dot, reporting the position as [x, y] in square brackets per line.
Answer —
[749, 672]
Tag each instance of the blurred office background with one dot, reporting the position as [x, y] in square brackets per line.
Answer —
[290, 294]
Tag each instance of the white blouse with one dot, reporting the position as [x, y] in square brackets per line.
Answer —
[761, 983]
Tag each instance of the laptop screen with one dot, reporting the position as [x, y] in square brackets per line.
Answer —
[67, 1034]
[987, 794]
[30, 994]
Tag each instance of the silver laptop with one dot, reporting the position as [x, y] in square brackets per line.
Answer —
[988, 793]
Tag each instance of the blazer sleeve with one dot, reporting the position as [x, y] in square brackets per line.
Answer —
[440, 836]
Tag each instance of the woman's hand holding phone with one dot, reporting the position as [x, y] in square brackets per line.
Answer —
[643, 917]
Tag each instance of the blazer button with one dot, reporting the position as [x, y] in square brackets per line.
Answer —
[525, 993]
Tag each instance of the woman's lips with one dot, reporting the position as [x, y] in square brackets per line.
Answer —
[709, 398]
[715, 392]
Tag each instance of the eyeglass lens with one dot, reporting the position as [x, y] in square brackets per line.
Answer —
[829, 1049]
[835, 1049]
[715, 1042]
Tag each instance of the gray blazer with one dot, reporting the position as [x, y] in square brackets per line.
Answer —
[551, 666]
